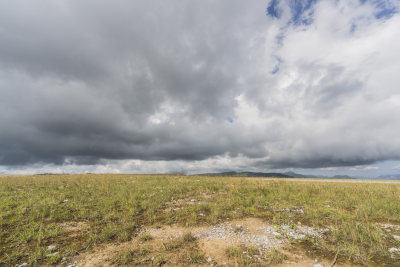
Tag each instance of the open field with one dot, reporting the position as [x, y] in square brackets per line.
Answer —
[170, 220]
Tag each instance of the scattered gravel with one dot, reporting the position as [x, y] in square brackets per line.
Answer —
[394, 253]
[262, 235]
[388, 227]
[22, 264]
[301, 231]
[394, 250]
[297, 210]
[225, 231]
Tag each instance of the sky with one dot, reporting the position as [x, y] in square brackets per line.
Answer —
[148, 86]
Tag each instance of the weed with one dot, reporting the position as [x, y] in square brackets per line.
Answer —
[146, 237]
[195, 257]
[188, 237]
[54, 258]
[275, 257]
[232, 251]
[173, 244]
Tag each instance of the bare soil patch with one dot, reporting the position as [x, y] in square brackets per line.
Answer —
[251, 241]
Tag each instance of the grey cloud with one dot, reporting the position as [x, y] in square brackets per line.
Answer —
[85, 81]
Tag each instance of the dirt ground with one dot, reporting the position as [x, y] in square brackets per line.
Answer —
[213, 242]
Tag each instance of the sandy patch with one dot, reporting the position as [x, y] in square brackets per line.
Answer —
[101, 256]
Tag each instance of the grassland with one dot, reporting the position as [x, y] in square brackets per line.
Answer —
[41, 211]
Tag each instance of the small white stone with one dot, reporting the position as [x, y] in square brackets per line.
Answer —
[209, 259]
[52, 254]
[22, 265]
[51, 247]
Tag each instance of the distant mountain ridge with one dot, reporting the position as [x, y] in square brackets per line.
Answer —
[390, 177]
[291, 174]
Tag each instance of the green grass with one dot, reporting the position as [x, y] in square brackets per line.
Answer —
[33, 208]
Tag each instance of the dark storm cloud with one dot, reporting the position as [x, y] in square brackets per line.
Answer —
[321, 162]
[83, 81]
[86, 76]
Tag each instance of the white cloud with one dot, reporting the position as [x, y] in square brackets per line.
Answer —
[396, 167]
[365, 168]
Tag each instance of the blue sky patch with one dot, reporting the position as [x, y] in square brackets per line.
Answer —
[277, 65]
[302, 10]
[273, 9]
[298, 9]
[384, 9]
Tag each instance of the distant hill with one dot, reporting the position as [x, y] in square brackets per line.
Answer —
[298, 175]
[342, 177]
[390, 177]
[291, 174]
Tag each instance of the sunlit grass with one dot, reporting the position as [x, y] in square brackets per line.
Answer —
[33, 208]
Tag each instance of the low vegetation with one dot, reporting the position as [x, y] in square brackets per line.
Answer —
[248, 256]
[77, 213]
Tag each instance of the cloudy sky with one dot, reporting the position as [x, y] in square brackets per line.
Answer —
[148, 86]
